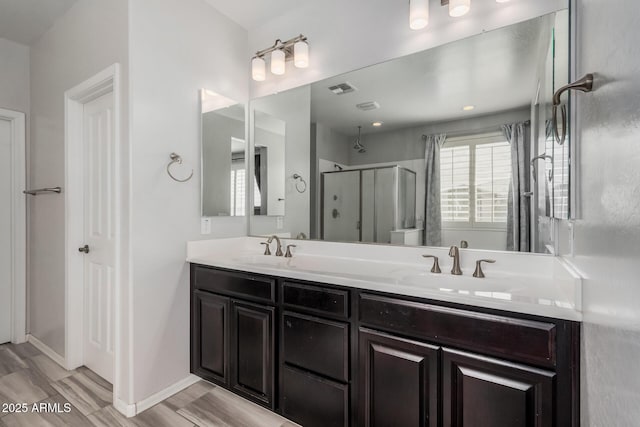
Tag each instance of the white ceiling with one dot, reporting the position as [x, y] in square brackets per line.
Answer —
[24, 21]
[494, 71]
[251, 13]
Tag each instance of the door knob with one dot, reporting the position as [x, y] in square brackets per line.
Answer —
[84, 249]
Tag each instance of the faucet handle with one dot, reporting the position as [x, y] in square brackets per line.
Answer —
[267, 250]
[479, 273]
[289, 254]
[436, 266]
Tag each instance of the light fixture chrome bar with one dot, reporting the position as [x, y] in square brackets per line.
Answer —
[286, 46]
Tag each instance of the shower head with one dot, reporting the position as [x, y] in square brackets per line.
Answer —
[357, 145]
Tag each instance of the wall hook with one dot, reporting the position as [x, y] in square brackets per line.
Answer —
[301, 184]
[175, 158]
[585, 84]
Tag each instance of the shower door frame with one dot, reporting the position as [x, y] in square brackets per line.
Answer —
[396, 195]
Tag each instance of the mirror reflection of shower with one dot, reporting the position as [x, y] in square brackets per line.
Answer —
[357, 144]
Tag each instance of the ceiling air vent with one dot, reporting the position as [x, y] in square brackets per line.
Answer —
[342, 88]
[368, 106]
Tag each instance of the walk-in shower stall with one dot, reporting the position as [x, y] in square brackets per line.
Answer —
[367, 204]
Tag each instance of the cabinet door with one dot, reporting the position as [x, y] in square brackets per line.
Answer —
[210, 337]
[252, 352]
[399, 381]
[481, 391]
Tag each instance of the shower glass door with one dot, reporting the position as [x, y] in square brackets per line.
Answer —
[341, 206]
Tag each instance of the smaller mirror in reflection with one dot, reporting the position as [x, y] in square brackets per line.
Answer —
[224, 177]
[269, 166]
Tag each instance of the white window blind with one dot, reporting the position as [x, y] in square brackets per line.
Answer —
[454, 183]
[237, 192]
[475, 173]
[492, 177]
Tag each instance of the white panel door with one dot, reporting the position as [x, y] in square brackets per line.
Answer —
[6, 259]
[99, 232]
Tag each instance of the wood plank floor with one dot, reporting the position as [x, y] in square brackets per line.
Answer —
[28, 376]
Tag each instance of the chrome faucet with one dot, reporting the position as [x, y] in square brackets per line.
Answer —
[279, 250]
[455, 253]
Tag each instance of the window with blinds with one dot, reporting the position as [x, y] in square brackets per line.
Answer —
[454, 184]
[492, 177]
[237, 192]
[474, 182]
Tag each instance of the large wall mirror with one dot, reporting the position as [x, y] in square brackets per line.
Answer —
[224, 150]
[449, 146]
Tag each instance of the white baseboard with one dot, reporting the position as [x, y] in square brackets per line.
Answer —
[47, 351]
[154, 399]
[124, 408]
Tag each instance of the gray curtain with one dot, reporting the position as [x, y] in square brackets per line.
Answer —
[432, 214]
[519, 209]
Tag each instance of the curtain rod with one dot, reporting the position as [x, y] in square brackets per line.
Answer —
[466, 132]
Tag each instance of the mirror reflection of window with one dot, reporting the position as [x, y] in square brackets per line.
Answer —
[475, 173]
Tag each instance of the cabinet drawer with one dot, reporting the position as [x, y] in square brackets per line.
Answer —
[319, 345]
[525, 340]
[312, 401]
[316, 299]
[247, 286]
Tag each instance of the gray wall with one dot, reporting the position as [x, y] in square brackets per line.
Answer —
[407, 144]
[607, 235]
[91, 36]
[14, 76]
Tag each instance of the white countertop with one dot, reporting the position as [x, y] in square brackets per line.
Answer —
[523, 283]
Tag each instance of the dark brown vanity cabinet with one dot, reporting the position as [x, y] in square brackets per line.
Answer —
[233, 331]
[315, 387]
[330, 356]
[432, 365]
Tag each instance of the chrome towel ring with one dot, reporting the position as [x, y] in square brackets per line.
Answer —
[301, 184]
[175, 158]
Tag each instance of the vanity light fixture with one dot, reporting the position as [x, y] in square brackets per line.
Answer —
[258, 69]
[295, 49]
[418, 14]
[277, 62]
[458, 8]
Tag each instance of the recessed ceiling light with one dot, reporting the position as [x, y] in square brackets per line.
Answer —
[376, 124]
[468, 107]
